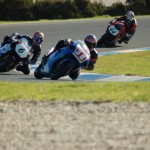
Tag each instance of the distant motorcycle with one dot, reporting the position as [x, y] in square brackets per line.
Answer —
[64, 61]
[12, 54]
[114, 32]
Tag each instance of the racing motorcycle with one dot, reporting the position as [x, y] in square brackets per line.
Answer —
[114, 32]
[64, 61]
[12, 54]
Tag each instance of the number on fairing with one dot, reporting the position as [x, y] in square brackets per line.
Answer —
[113, 30]
[80, 55]
[21, 50]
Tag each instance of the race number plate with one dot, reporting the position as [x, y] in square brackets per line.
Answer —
[113, 30]
[21, 50]
[80, 54]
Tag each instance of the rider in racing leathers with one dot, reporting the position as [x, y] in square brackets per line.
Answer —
[130, 25]
[35, 44]
[90, 41]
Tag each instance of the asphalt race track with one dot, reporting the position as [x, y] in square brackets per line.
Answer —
[75, 29]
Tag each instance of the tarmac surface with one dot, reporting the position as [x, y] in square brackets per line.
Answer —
[75, 29]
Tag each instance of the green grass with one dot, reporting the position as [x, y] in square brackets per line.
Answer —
[75, 91]
[136, 63]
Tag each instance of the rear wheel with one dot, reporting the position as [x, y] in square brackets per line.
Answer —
[62, 69]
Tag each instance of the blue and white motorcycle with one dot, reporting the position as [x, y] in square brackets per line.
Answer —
[64, 61]
[12, 54]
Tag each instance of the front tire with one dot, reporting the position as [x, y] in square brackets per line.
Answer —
[105, 40]
[7, 63]
[37, 73]
[62, 69]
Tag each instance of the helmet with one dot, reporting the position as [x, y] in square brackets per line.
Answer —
[91, 41]
[38, 37]
[130, 15]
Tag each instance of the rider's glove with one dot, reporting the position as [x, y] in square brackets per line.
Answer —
[67, 41]
[14, 35]
[90, 66]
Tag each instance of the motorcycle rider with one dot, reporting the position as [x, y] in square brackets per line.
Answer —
[91, 42]
[130, 26]
[35, 44]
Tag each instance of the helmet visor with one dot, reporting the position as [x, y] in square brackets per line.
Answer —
[37, 39]
[90, 45]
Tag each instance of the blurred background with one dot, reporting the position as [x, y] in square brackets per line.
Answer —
[68, 9]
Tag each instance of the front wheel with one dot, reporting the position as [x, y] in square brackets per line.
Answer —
[102, 40]
[62, 69]
[37, 73]
[7, 63]
[106, 39]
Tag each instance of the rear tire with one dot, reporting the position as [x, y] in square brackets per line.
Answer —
[63, 69]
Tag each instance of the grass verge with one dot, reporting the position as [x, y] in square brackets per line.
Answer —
[134, 63]
[76, 91]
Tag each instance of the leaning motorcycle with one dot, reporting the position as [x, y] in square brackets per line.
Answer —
[64, 61]
[114, 32]
[12, 54]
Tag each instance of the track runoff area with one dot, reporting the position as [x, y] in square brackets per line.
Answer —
[106, 77]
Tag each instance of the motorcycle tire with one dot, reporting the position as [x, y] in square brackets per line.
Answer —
[105, 39]
[37, 73]
[7, 63]
[62, 69]
[102, 40]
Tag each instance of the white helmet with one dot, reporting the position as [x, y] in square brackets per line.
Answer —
[130, 15]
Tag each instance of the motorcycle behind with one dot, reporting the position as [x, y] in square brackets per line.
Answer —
[114, 32]
[12, 54]
[64, 61]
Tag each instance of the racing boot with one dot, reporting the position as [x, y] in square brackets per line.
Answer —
[23, 68]
[124, 39]
[120, 41]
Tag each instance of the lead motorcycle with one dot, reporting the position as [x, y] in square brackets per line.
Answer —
[114, 32]
[13, 54]
[64, 61]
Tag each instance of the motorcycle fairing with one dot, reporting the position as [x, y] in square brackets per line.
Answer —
[53, 59]
[80, 54]
[26, 43]
[112, 29]
[4, 49]
[21, 50]
[74, 49]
